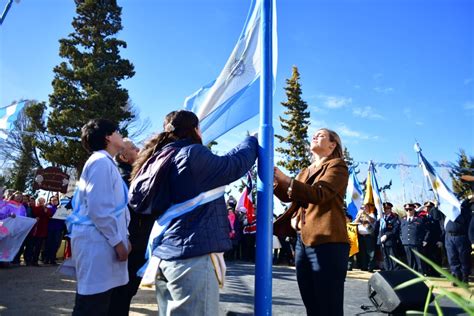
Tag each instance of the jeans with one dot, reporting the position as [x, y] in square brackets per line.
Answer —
[321, 273]
[187, 287]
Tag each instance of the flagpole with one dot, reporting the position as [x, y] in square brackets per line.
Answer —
[5, 11]
[263, 266]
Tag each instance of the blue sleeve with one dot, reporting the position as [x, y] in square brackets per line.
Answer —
[214, 171]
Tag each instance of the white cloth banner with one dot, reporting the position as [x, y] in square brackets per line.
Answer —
[12, 233]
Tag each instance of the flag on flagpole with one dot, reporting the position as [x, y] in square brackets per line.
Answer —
[8, 115]
[233, 97]
[245, 203]
[372, 193]
[353, 194]
[448, 203]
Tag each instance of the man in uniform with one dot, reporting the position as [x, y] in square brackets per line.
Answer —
[433, 248]
[389, 234]
[413, 234]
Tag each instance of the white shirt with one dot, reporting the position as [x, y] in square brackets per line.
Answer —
[100, 193]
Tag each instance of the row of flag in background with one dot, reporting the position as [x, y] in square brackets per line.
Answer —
[447, 201]
[223, 104]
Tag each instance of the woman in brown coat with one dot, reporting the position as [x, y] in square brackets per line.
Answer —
[317, 214]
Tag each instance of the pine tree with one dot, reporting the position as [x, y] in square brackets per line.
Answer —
[296, 155]
[465, 165]
[349, 160]
[87, 85]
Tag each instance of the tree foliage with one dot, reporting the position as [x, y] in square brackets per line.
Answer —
[465, 165]
[296, 155]
[19, 151]
[87, 84]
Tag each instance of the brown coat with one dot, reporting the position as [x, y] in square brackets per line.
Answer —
[318, 201]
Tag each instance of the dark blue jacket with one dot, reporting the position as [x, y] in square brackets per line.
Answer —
[195, 169]
[391, 229]
[414, 233]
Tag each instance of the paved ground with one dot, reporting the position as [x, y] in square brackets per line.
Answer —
[40, 291]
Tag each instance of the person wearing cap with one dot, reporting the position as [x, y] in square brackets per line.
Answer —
[412, 235]
[458, 245]
[389, 234]
[432, 249]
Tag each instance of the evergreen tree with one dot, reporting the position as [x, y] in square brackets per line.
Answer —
[87, 85]
[296, 154]
[465, 165]
[349, 160]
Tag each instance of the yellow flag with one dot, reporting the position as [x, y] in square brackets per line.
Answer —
[352, 232]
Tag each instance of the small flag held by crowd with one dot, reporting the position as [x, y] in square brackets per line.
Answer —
[245, 203]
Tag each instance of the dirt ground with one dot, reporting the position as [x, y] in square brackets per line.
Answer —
[26, 290]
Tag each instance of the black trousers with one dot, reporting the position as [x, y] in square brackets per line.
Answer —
[321, 272]
[388, 263]
[122, 295]
[92, 305]
[413, 260]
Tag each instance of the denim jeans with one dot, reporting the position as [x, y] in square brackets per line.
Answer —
[321, 273]
[190, 288]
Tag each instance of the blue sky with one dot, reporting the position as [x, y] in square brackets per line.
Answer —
[381, 73]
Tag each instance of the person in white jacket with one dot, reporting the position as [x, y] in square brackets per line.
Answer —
[99, 237]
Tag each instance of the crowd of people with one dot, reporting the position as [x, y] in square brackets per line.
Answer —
[161, 211]
[420, 228]
[44, 239]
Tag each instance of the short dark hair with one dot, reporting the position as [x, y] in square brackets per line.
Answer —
[94, 132]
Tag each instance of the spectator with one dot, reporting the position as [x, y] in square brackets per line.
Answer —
[40, 230]
[366, 232]
[55, 233]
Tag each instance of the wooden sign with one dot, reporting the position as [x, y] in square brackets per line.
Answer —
[51, 179]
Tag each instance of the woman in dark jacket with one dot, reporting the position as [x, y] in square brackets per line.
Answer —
[317, 214]
[199, 229]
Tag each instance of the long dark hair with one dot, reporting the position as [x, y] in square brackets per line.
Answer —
[176, 125]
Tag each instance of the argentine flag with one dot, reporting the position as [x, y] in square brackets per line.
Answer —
[234, 96]
[8, 115]
[354, 194]
[448, 203]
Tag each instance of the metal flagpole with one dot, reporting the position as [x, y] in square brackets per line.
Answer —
[263, 267]
[5, 11]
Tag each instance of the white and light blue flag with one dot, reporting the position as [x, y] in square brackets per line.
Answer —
[354, 194]
[448, 203]
[234, 96]
[8, 115]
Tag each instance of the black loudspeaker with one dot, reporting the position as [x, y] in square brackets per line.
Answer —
[386, 299]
